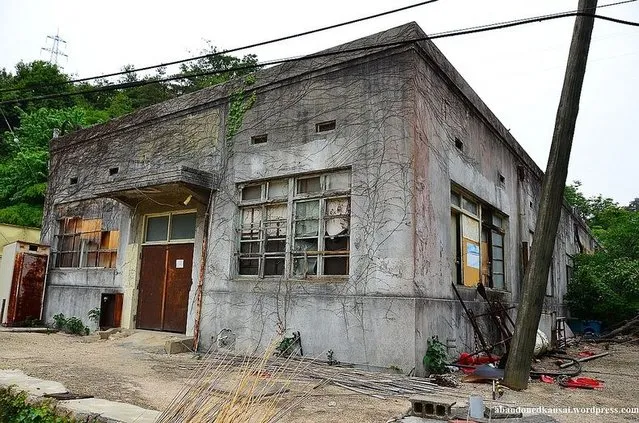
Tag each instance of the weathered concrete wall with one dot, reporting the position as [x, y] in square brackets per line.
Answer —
[445, 114]
[367, 318]
[397, 118]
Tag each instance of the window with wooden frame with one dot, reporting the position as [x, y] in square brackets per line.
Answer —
[83, 243]
[477, 235]
[170, 227]
[295, 227]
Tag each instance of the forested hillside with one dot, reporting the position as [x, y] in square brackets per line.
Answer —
[27, 125]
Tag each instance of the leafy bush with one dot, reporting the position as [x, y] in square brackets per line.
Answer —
[71, 325]
[94, 315]
[604, 288]
[14, 408]
[436, 357]
[59, 321]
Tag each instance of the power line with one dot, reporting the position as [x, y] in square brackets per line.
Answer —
[275, 40]
[235, 49]
[447, 34]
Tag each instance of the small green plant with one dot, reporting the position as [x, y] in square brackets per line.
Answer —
[75, 326]
[330, 357]
[436, 358]
[15, 408]
[72, 325]
[94, 315]
[288, 345]
[59, 321]
[395, 368]
[31, 322]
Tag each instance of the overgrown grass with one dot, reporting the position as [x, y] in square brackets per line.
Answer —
[15, 408]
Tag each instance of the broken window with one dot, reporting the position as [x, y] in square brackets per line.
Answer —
[477, 240]
[83, 243]
[318, 212]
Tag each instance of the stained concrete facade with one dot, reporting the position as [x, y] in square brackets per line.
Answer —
[407, 129]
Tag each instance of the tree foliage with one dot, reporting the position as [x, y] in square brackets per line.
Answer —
[605, 285]
[27, 127]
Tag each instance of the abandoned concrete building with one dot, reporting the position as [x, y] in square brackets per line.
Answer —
[339, 195]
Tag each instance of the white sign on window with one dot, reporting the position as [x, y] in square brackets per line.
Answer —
[179, 264]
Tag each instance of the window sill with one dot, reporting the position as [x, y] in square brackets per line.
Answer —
[314, 279]
[66, 269]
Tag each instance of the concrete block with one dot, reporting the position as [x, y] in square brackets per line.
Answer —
[177, 346]
[31, 385]
[109, 411]
[434, 407]
[104, 334]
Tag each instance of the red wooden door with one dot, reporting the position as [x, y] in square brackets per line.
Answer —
[165, 281]
[28, 288]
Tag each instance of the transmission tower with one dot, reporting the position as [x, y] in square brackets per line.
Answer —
[57, 49]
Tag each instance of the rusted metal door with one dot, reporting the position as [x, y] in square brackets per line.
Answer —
[27, 289]
[165, 281]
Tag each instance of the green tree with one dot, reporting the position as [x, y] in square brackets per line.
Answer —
[605, 285]
[210, 64]
[23, 173]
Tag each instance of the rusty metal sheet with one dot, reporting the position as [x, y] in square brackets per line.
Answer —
[151, 287]
[25, 301]
[178, 285]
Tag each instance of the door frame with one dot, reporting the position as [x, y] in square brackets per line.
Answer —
[168, 242]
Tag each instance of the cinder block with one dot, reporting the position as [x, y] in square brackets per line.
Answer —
[177, 346]
[431, 407]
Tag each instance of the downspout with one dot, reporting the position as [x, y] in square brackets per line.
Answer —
[200, 282]
[523, 232]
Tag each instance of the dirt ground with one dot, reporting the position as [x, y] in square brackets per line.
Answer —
[135, 369]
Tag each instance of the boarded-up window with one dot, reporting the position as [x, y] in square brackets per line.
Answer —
[477, 242]
[84, 243]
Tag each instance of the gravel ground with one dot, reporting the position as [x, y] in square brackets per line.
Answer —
[135, 369]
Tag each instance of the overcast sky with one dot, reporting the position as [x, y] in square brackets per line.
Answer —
[518, 72]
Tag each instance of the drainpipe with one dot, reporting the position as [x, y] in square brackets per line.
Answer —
[523, 224]
[200, 282]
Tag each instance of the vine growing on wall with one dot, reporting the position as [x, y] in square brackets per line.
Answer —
[239, 103]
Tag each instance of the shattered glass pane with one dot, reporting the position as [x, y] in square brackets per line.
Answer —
[338, 207]
[336, 244]
[307, 228]
[306, 244]
[336, 265]
[305, 266]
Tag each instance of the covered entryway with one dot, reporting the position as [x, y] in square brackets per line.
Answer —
[166, 272]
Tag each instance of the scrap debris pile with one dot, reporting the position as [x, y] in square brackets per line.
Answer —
[553, 364]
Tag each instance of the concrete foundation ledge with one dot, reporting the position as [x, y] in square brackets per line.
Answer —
[100, 410]
[108, 411]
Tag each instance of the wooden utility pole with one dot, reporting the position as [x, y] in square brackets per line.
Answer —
[552, 195]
